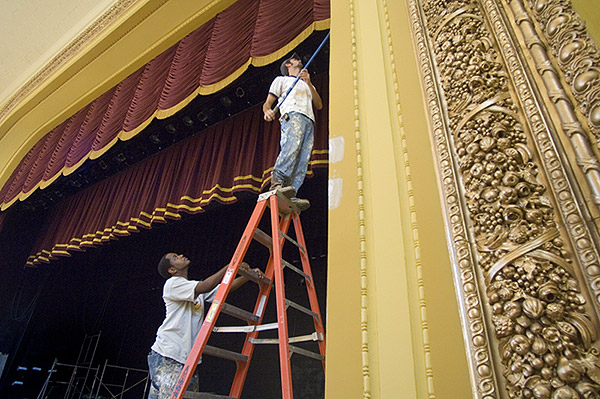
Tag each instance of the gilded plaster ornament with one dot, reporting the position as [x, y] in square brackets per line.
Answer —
[487, 128]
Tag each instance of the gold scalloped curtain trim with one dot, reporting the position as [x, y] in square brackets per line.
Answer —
[172, 211]
[209, 56]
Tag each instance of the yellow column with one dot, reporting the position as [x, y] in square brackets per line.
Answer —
[344, 374]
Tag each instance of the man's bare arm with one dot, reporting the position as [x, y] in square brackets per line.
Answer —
[269, 115]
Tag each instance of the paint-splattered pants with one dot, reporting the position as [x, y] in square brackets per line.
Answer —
[164, 372]
[296, 143]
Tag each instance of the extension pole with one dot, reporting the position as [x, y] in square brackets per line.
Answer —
[276, 109]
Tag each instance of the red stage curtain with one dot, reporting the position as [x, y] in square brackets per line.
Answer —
[237, 154]
[250, 32]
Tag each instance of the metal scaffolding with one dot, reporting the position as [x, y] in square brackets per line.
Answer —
[84, 380]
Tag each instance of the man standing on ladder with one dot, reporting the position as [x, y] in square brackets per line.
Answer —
[184, 302]
[297, 125]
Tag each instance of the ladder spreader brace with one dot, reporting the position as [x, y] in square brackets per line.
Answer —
[283, 212]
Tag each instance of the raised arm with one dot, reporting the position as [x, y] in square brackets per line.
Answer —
[211, 282]
[316, 98]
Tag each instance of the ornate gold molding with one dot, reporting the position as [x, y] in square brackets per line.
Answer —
[575, 53]
[364, 325]
[470, 305]
[67, 53]
[524, 314]
[578, 137]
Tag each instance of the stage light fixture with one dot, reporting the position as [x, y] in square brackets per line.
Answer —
[188, 121]
[170, 128]
[226, 101]
[240, 92]
[202, 116]
[155, 139]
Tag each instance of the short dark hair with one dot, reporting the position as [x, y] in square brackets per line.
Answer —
[283, 68]
[163, 266]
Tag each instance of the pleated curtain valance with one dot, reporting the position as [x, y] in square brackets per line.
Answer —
[250, 32]
[235, 155]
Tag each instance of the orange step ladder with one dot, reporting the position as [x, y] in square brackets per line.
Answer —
[282, 214]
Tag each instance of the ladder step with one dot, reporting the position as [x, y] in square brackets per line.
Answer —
[302, 309]
[239, 313]
[203, 395]
[284, 204]
[246, 329]
[251, 275]
[294, 268]
[224, 354]
[301, 338]
[304, 352]
[263, 238]
[290, 239]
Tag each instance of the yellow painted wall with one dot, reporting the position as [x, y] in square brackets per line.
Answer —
[344, 365]
[25, 51]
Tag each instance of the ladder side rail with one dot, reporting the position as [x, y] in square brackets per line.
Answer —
[92, 342]
[97, 341]
[123, 390]
[94, 379]
[52, 370]
[213, 312]
[259, 310]
[284, 346]
[71, 381]
[310, 285]
[101, 378]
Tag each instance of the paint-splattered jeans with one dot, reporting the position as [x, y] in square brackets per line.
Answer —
[296, 143]
[164, 372]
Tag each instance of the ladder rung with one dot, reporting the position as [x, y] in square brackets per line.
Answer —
[304, 352]
[203, 395]
[251, 275]
[224, 354]
[294, 268]
[301, 338]
[245, 329]
[239, 313]
[290, 239]
[263, 238]
[301, 308]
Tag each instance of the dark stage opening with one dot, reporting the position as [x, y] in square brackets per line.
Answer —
[116, 291]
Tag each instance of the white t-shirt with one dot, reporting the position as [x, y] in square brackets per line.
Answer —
[185, 314]
[299, 99]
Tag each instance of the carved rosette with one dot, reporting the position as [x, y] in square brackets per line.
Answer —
[545, 344]
[576, 54]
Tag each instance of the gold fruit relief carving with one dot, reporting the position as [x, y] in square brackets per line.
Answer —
[544, 341]
[576, 54]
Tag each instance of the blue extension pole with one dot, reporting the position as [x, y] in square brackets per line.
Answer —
[276, 109]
